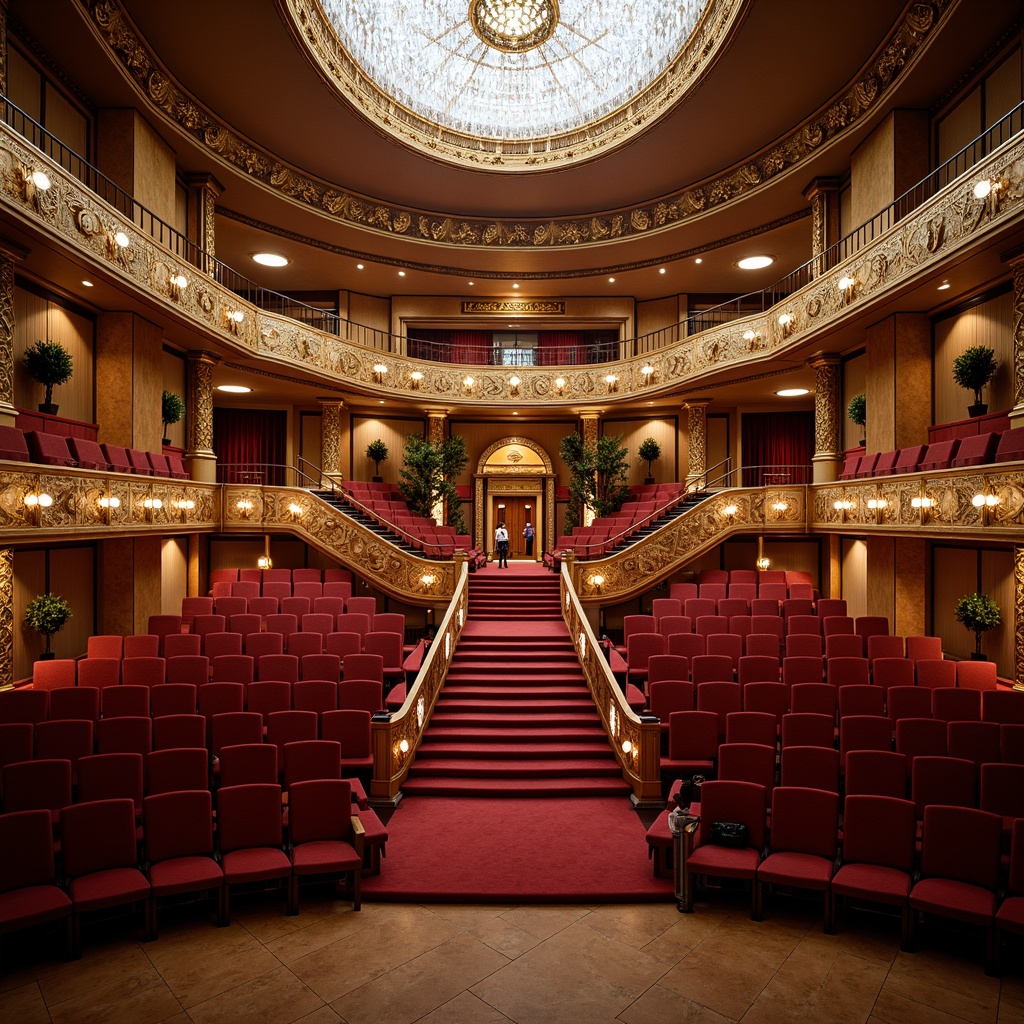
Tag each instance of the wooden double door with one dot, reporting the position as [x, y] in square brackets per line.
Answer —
[516, 512]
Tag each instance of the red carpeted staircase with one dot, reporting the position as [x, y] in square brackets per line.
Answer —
[515, 717]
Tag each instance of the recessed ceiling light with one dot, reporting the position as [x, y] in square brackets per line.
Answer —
[471, 283]
[514, 413]
[755, 262]
[234, 389]
[515, 286]
[513, 327]
[270, 259]
[792, 392]
[360, 266]
[698, 260]
[88, 284]
[611, 280]
[401, 273]
[943, 286]
[662, 269]
[382, 401]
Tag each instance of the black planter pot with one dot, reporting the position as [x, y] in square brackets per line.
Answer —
[978, 409]
[377, 480]
[978, 657]
[49, 408]
[165, 441]
[648, 480]
[47, 655]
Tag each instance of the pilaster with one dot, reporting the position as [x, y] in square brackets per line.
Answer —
[203, 193]
[330, 436]
[199, 454]
[9, 255]
[823, 195]
[827, 457]
[697, 436]
[7, 629]
[1017, 412]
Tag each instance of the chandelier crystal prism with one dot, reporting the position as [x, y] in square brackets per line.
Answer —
[488, 76]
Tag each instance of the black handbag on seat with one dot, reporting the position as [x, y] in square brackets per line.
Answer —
[728, 833]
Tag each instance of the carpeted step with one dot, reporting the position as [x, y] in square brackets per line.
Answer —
[494, 768]
[567, 786]
[513, 751]
[500, 677]
[469, 735]
[485, 705]
[484, 691]
[516, 720]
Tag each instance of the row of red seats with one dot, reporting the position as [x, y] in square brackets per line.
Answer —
[956, 453]
[225, 575]
[334, 598]
[56, 450]
[184, 848]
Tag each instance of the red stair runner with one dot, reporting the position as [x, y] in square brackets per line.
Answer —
[515, 717]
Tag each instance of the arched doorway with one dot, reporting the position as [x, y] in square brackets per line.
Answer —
[515, 483]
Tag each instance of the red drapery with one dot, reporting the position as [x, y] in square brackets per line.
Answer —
[557, 348]
[471, 346]
[777, 446]
[250, 442]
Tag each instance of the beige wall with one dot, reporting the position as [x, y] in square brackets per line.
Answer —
[854, 383]
[989, 323]
[134, 157]
[888, 163]
[855, 576]
[898, 381]
[174, 378]
[173, 574]
[392, 432]
[634, 433]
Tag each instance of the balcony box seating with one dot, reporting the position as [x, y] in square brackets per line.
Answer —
[13, 445]
[49, 449]
[978, 450]
[850, 467]
[886, 463]
[139, 462]
[117, 457]
[177, 468]
[939, 455]
[158, 464]
[1011, 446]
[88, 454]
[909, 458]
[867, 465]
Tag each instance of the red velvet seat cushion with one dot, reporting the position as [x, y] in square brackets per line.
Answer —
[35, 904]
[1010, 916]
[108, 888]
[805, 870]
[324, 856]
[872, 882]
[949, 898]
[724, 861]
[259, 864]
[185, 874]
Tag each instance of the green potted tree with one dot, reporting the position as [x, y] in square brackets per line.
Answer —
[173, 408]
[49, 363]
[47, 614]
[649, 451]
[377, 452]
[973, 369]
[857, 410]
[978, 613]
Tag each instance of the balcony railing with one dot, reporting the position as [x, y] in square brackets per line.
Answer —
[328, 321]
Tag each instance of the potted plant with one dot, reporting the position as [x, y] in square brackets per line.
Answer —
[978, 613]
[649, 451]
[173, 408]
[857, 410]
[47, 614]
[48, 363]
[377, 452]
[973, 370]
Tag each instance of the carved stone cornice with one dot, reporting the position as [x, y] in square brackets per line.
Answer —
[858, 101]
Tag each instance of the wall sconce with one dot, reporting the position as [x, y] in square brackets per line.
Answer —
[786, 322]
[763, 564]
[264, 562]
[106, 503]
[597, 582]
[922, 504]
[35, 503]
[647, 371]
[177, 284]
[403, 746]
[468, 383]
[780, 506]
[151, 505]
[559, 385]
[294, 510]
[184, 506]
[751, 337]
[613, 382]
[729, 511]
[628, 749]
[379, 372]
[987, 503]
[244, 507]
[878, 506]
[41, 180]
[848, 287]
[428, 580]
[842, 507]
[988, 189]
[416, 376]
[513, 385]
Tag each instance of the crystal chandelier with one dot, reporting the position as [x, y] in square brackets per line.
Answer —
[511, 70]
[514, 26]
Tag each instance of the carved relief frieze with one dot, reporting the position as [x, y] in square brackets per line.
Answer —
[7, 627]
[7, 318]
[1018, 334]
[1018, 617]
[826, 408]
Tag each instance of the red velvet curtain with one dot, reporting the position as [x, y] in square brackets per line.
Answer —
[250, 442]
[557, 348]
[471, 346]
[777, 448]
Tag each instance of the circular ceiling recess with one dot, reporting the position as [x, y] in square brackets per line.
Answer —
[514, 84]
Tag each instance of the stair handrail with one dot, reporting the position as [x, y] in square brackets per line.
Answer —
[396, 735]
[635, 739]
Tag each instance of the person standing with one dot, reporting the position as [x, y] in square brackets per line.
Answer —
[528, 533]
[501, 543]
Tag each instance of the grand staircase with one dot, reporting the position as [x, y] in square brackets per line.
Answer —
[515, 717]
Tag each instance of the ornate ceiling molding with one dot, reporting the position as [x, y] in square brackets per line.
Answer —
[164, 94]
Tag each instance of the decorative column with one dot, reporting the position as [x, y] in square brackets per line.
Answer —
[589, 426]
[330, 436]
[3, 46]
[436, 422]
[203, 192]
[7, 629]
[697, 434]
[8, 256]
[199, 455]
[828, 456]
[823, 195]
[1018, 607]
[1017, 412]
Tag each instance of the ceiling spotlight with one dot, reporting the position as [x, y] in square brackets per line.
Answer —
[661, 270]
[698, 260]
[611, 280]
[755, 262]
[88, 284]
[792, 392]
[401, 273]
[515, 286]
[270, 259]
[234, 389]
[360, 266]
[944, 286]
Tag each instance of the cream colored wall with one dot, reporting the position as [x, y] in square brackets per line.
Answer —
[392, 432]
[657, 314]
[854, 383]
[989, 323]
[37, 319]
[721, 441]
[855, 576]
[174, 380]
[634, 432]
[173, 574]
[369, 310]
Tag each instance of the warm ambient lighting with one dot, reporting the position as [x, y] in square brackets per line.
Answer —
[513, 384]
[379, 370]
[559, 385]
[597, 582]
[403, 746]
[180, 281]
[627, 747]
[751, 335]
[264, 562]
[763, 563]
[780, 506]
[234, 389]
[428, 579]
[108, 503]
[41, 500]
[236, 316]
[848, 286]
[245, 507]
[877, 503]
[416, 376]
[647, 371]
[612, 381]
[295, 510]
[755, 262]
[730, 510]
[985, 500]
[843, 506]
[270, 259]
[786, 322]
[122, 239]
[152, 503]
[468, 382]
[922, 502]
[41, 180]
[792, 392]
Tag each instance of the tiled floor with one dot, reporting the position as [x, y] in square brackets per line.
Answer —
[491, 964]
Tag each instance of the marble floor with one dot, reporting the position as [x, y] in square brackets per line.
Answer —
[451, 964]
